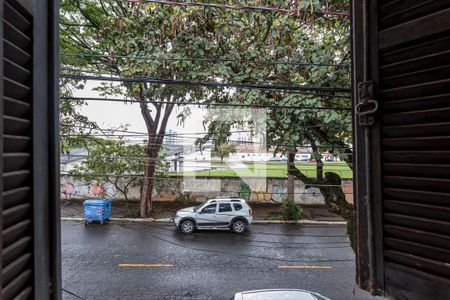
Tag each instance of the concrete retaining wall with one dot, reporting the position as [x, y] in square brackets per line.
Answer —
[202, 188]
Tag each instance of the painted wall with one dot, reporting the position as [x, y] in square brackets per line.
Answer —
[200, 189]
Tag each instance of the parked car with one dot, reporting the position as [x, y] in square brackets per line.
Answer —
[278, 294]
[221, 213]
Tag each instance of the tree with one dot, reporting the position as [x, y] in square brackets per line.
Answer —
[325, 43]
[101, 30]
[110, 34]
[116, 163]
[113, 162]
[224, 151]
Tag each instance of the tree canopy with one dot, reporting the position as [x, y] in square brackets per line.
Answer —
[135, 42]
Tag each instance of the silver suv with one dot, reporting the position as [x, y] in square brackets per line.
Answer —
[221, 213]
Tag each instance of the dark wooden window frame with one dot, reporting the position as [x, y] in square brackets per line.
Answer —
[45, 145]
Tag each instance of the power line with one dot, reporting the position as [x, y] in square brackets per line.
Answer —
[236, 142]
[225, 253]
[295, 11]
[201, 162]
[206, 59]
[209, 84]
[301, 89]
[72, 294]
[340, 108]
[143, 133]
[142, 141]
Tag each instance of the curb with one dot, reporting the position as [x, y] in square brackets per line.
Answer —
[306, 222]
[111, 219]
[167, 220]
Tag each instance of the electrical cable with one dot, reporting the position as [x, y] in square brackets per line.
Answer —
[242, 254]
[294, 11]
[338, 108]
[206, 59]
[272, 242]
[257, 86]
[188, 142]
[146, 143]
[143, 139]
[72, 294]
[155, 135]
[263, 163]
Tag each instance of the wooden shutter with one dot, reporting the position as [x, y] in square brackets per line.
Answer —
[408, 46]
[29, 208]
[17, 234]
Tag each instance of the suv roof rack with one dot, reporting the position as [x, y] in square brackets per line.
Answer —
[231, 199]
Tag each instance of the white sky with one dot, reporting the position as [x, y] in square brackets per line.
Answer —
[114, 114]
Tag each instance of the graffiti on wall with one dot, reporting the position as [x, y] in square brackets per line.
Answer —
[275, 190]
[69, 188]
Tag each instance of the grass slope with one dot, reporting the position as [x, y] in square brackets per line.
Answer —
[278, 170]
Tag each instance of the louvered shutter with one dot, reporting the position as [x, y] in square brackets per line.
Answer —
[409, 46]
[17, 234]
[29, 242]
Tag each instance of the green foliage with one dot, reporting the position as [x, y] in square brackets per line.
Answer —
[117, 163]
[75, 128]
[245, 191]
[119, 28]
[319, 40]
[276, 218]
[275, 170]
[291, 211]
[114, 158]
[224, 151]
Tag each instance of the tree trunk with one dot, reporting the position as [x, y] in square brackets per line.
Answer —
[319, 169]
[335, 201]
[317, 154]
[291, 177]
[148, 184]
[155, 140]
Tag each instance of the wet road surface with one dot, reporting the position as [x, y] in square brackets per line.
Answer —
[155, 261]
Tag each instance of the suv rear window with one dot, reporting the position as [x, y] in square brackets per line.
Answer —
[224, 207]
[237, 206]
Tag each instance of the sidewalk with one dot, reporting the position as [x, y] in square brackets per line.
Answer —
[164, 211]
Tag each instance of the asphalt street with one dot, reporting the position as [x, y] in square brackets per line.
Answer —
[155, 261]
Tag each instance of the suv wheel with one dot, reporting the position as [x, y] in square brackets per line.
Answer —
[187, 226]
[239, 226]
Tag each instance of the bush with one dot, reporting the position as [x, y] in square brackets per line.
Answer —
[290, 210]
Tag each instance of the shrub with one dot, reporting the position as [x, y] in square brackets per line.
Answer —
[290, 210]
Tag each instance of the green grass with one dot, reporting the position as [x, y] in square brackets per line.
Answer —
[277, 170]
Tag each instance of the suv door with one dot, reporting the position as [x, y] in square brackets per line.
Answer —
[207, 215]
[224, 214]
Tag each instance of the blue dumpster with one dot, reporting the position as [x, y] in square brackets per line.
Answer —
[97, 210]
